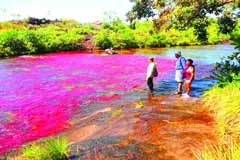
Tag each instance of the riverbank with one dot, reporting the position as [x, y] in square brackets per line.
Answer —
[27, 38]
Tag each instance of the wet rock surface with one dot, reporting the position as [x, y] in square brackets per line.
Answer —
[165, 128]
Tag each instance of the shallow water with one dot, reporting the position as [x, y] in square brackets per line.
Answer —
[163, 127]
[40, 94]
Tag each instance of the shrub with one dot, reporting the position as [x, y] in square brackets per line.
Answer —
[227, 69]
[50, 39]
[49, 149]
[102, 39]
[235, 35]
[213, 33]
[14, 42]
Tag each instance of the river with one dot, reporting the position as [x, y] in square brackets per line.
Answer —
[43, 95]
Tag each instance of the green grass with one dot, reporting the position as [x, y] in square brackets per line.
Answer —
[225, 104]
[228, 150]
[49, 149]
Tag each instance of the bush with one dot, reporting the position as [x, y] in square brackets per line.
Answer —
[213, 33]
[226, 70]
[103, 40]
[229, 68]
[14, 42]
[20, 37]
[118, 35]
[235, 35]
[50, 39]
[49, 149]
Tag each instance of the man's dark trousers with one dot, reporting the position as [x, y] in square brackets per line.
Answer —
[150, 84]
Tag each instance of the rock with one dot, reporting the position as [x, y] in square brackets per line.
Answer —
[110, 51]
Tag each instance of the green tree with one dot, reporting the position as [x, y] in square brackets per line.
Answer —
[226, 23]
[181, 13]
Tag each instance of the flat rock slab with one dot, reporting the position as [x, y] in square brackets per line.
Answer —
[164, 127]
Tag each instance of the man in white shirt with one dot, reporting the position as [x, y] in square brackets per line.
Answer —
[151, 72]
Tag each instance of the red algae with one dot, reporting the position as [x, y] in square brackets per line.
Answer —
[43, 92]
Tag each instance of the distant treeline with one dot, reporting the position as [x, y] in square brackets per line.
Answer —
[34, 35]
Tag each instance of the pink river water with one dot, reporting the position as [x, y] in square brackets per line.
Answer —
[40, 94]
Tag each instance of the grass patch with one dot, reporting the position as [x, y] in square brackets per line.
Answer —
[225, 104]
[49, 149]
[228, 150]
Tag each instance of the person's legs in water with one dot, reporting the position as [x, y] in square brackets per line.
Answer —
[150, 84]
[187, 86]
[179, 79]
[179, 90]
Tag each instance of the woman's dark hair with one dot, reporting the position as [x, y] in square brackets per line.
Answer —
[191, 61]
[151, 59]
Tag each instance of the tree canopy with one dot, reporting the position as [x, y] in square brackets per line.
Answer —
[182, 14]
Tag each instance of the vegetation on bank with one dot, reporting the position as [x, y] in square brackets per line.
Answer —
[41, 39]
[223, 101]
[45, 149]
[43, 36]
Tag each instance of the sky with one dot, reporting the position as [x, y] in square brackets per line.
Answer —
[80, 10]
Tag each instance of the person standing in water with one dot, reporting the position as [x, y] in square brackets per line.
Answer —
[189, 73]
[151, 72]
[180, 65]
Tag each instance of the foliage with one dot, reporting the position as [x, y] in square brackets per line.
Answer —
[224, 102]
[50, 39]
[226, 24]
[20, 37]
[200, 29]
[183, 13]
[213, 32]
[228, 150]
[143, 8]
[115, 34]
[214, 35]
[227, 70]
[49, 149]
[236, 33]
[118, 35]
[11, 25]
[103, 40]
